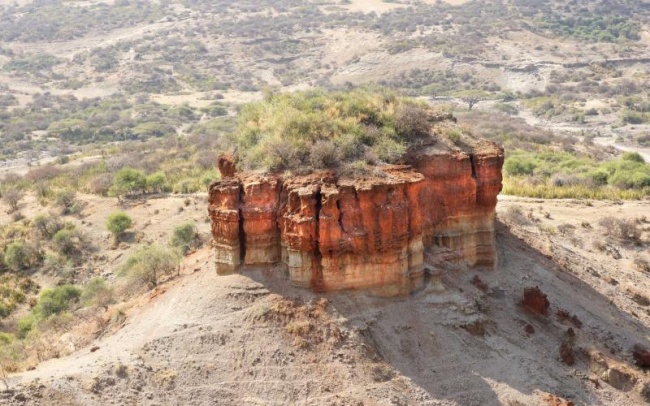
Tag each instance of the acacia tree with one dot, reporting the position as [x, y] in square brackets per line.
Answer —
[471, 97]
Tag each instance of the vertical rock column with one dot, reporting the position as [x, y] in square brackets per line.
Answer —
[223, 209]
[299, 226]
[259, 208]
[487, 164]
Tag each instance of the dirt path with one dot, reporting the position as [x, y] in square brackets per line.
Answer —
[611, 142]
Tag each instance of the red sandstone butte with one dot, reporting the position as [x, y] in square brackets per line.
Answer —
[342, 233]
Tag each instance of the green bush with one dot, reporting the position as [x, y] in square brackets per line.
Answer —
[67, 242]
[153, 129]
[208, 177]
[633, 157]
[16, 256]
[97, 293]
[128, 181]
[56, 300]
[65, 199]
[157, 182]
[117, 223]
[634, 117]
[185, 237]
[47, 225]
[26, 324]
[147, 264]
[517, 166]
[562, 174]
[12, 292]
[318, 129]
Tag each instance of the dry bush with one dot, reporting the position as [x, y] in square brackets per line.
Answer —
[12, 197]
[100, 184]
[624, 230]
[566, 229]
[515, 215]
[600, 246]
[324, 154]
[412, 121]
[44, 172]
[642, 264]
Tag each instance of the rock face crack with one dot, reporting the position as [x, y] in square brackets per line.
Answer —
[472, 161]
[317, 282]
[242, 231]
[361, 233]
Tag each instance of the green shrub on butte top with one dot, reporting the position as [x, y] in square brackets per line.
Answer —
[323, 130]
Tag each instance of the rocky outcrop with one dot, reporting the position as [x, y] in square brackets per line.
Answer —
[641, 356]
[338, 233]
[535, 301]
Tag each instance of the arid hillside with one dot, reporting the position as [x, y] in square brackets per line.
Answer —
[582, 66]
[354, 128]
[464, 339]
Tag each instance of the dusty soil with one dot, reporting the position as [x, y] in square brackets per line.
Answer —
[253, 339]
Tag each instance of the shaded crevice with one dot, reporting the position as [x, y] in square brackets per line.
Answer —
[472, 160]
[340, 213]
[242, 232]
[279, 210]
[317, 282]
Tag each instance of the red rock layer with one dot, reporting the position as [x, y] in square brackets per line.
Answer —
[223, 209]
[361, 233]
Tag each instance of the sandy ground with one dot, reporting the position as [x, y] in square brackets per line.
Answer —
[204, 337]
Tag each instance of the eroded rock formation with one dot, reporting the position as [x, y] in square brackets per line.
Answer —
[535, 301]
[338, 233]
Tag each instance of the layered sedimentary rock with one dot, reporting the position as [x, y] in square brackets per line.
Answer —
[361, 233]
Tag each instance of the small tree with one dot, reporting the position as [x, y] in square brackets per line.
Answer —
[128, 181]
[147, 264]
[185, 237]
[117, 223]
[471, 97]
[56, 300]
[12, 197]
[97, 293]
[11, 351]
